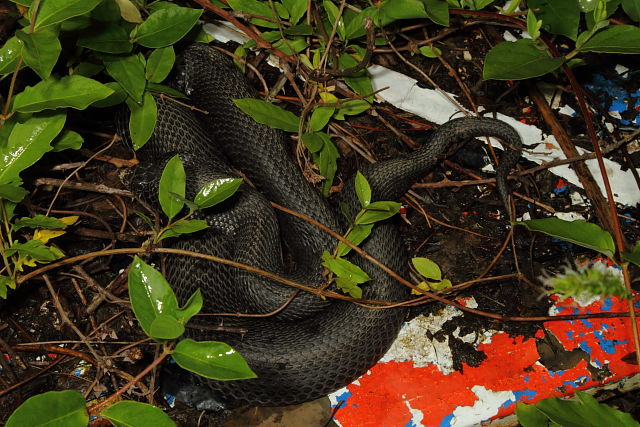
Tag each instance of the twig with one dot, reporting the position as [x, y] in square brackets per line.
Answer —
[85, 186]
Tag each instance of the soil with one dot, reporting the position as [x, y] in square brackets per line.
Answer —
[29, 315]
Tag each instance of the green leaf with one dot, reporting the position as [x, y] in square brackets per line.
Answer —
[614, 39]
[165, 327]
[51, 12]
[633, 256]
[75, 24]
[363, 190]
[359, 82]
[343, 268]
[108, 38]
[40, 51]
[327, 162]
[578, 232]
[128, 11]
[255, 8]
[127, 413]
[129, 72]
[117, 97]
[530, 416]
[632, 8]
[191, 307]
[73, 91]
[354, 24]
[88, 69]
[27, 143]
[142, 120]
[184, 226]
[67, 139]
[51, 409]
[212, 359]
[558, 17]
[427, 268]
[519, 60]
[173, 180]
[356, 235]
[320, 117]
[296, 8]
[6, 282]
[332, 13]
[38, 221]
[347, 286]
[150, 294]
[166, 26]
[12, 192]
[106, 11]
[159, 64]
[268, 114]
[437, 11]
[378, 211]
[402, 9]
[351, 108]
[9, 55]
[291, 46]
[158, 88]
[313, 141]
[430, 51]
[34, 249]
[216, 191]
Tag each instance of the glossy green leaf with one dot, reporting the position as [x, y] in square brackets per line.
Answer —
[173, 180]
[51, 409]
[68, 139]
[522, 59]
[117, 97]
[88, 69]
[632, 8]
[427, 268]
[191, 307]
[184, 226]
[150, 294]
[430, 51]
[378, 211]
[268, 114]
[343, 268]
[558, 17]
[159, 64]
[530, 416]
[157, 5]
[9, 55]
[255, 7]
[363, 190]
[142, 120]
[128, 413]
[212, 359]
[348, 286]
[158, 88]
[351, 108]
[129, 72]
[216, 191]
[296, 8]
[51, 12]
[353, 24]
[165, 327]
[402, 9]
[291, 46]
[614, 39]
[166, 26]
[38, 221]
[73, 91]
[578, 232]
[12, 192]
[109, 38]
[27, 143]
[633, 256]
[106, 11]
[587, 5]
[40, 51]
[357, 235]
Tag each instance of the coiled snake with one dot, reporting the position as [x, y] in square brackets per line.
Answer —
[313, 346]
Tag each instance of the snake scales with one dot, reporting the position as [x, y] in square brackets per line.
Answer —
[313, 346]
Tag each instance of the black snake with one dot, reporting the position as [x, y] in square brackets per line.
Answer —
[314, 346]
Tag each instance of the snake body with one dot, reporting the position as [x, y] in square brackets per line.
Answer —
[313, 346]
